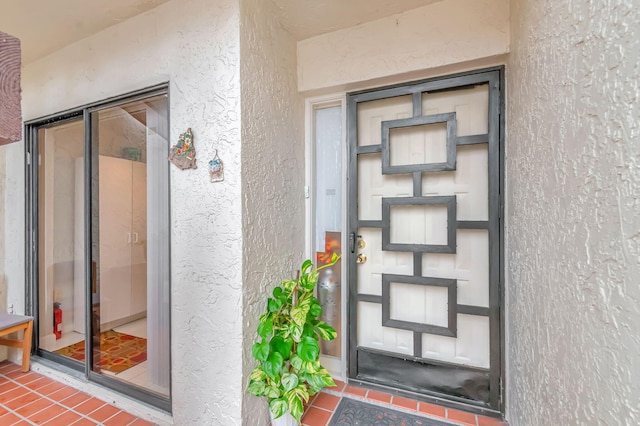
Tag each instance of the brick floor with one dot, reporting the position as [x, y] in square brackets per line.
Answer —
[322, 407]
[32, 399]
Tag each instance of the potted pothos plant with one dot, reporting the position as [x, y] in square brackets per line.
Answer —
[288, 352]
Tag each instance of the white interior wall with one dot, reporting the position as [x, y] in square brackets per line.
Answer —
[3, 259]
[194, 45]
[573, 235]
[272, 172]
[444, 33]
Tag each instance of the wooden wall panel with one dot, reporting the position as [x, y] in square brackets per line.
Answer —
[10, 108]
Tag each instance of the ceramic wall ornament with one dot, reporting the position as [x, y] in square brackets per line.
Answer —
[216, 171]
[183, 154]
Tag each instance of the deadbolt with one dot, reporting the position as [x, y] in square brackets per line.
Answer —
[362, 258]
[361, 244]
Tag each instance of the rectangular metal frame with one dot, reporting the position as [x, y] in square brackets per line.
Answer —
[446, 200]
[31, 235]
[450, 330]
[449, 118]
[494, 78]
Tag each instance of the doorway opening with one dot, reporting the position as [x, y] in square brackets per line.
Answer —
[98, 224]
[425, 255]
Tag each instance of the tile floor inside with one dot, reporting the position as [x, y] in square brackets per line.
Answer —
[33, 399]
[136, 375]
[323, 405]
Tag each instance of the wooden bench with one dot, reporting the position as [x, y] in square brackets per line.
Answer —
[10, 323]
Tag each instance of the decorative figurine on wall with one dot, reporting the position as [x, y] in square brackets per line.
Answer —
[216, 171]
[183, 154]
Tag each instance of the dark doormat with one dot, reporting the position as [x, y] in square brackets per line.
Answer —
[352, 412]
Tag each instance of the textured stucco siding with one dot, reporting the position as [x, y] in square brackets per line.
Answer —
[444, 33]
[272, 172]
[573, 206]
[193, 44]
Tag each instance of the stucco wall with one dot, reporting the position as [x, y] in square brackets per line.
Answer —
[573, 203]
[272, 172]
[440, 34]
[194, 44]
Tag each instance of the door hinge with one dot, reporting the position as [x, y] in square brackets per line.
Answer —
[307, 191]
[28, 158]
[501, 396]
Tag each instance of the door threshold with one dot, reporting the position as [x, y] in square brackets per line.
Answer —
[78, 381]
[322, 407]
[428, 399]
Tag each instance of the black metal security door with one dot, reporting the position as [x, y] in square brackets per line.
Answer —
[425, 171]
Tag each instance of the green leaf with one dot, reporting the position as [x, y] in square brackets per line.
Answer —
[289, 285]
[277, 292]
[305, 266]
[307, 282]
[296, 406]
[296, 362]
[296, 332]
[308, 331]
[308, 349]
[260, 350]
[315, 381]
[273, 364]
[311, 367]
[282, 346]
[272, 392]
[257, 388]
[273, 305]
[299, 314]
[265, 328]
[325, 331]
[258, 374]
[278, 407]
[313, 278]
[289, 381]
[328, 380]
[315, 310]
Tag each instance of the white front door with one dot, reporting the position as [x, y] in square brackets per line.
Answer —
[424, 218]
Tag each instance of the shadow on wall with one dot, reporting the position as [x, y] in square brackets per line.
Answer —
[3, 290]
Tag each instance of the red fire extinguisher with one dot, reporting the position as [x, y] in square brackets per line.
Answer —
[57, 320]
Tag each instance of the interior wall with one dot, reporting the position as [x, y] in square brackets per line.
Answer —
[573, 172]
[440, 34]
[194, 45]
[272, 172]
[3, 259]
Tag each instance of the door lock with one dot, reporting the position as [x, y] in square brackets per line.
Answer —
[361, 243]
[362, 258]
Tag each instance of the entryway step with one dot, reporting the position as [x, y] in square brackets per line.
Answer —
[33, 399]
[323, 406]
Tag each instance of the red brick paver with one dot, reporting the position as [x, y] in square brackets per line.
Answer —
[30, 398]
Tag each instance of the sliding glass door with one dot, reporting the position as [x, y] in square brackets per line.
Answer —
[99, 205]
[61, 258]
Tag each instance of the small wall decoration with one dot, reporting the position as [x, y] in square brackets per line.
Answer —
[216, 171]
[183, 154]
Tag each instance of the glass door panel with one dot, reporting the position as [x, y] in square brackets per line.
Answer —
[327, 177]
[131, 245]
[61, 271]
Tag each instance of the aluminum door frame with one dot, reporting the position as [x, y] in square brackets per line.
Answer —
[494, 77]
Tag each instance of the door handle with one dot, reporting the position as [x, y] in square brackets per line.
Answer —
[353, 242]
[128, 237]
[135, 237]
[361, 258]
